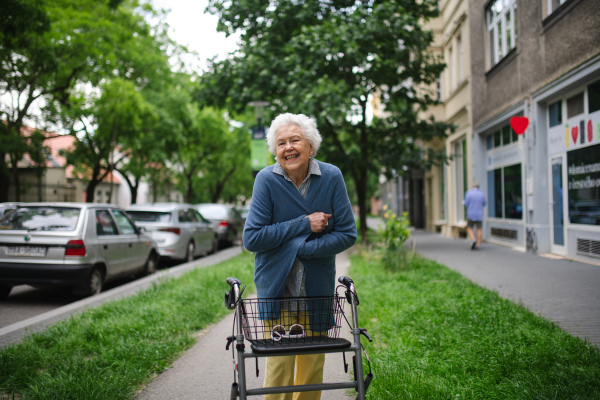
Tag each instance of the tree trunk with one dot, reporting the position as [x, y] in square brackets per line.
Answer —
[190, 188]
[4, 179]
[16, 180]
[90, 191]
[221, 185]
[361, 193]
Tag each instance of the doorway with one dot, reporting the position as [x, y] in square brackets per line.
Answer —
[558, 212]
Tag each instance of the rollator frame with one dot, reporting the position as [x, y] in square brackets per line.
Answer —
[239, 390]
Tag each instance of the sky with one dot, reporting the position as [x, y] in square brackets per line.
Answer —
[190, 26]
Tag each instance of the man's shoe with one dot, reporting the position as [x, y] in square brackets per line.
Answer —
[474, 246]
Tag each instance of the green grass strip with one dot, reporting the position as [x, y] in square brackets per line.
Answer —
[110, 351]
[439, 336]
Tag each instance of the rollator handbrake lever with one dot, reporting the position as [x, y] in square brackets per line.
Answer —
[363, 331]
[230, 340]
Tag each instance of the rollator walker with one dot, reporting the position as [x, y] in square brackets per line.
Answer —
[258, 321]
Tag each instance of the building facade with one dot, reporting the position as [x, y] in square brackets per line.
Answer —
[539, 60]
[445, 186]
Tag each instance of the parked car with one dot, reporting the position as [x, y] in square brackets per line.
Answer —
[81, 245]
[243, 210]
[179, 230]
[226, 220]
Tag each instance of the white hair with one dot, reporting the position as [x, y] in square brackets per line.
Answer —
[307, 125]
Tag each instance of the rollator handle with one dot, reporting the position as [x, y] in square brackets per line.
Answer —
[351, 292]
[344, 280]
[233, 281]
[230, 296]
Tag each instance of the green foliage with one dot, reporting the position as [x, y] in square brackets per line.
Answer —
[110, 351]
[69, 55]
[395, 233]
[328, 59]
[436, 335]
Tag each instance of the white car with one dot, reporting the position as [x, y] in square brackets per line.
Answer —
[180, 232]
[79, 245]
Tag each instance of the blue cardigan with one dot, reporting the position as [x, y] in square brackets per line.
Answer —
[277, 230]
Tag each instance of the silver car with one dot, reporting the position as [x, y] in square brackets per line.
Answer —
[81, 245]
[226, 220]
[179, 230]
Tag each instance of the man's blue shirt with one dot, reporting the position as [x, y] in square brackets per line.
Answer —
[475, 201]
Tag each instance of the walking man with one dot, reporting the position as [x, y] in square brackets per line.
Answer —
[475, 201]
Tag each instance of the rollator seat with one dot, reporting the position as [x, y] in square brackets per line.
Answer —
[292, 346]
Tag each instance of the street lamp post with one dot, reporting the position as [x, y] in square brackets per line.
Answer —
[259, 138]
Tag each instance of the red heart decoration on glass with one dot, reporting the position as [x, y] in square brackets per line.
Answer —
[574, 134]
[519, 124]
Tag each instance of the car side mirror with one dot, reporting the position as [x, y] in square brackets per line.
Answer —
[141, 229]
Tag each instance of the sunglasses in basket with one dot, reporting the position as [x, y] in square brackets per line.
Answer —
[296, 331]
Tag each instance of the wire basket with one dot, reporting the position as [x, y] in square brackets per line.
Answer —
[292, 320]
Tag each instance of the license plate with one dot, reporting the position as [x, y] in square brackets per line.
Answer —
[36, 251]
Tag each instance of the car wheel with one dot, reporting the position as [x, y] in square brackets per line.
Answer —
[5, 291]
[151, 265]
[92, 286]
[190, 252]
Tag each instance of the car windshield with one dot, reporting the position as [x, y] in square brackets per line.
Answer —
[150, 216]
[43, 218]
[213, 212]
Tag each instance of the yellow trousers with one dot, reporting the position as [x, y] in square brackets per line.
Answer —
[280, 369]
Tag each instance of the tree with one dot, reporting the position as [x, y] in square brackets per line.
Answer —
[231, 177]
[203, 138]
[58, 64]
[115, 119]
[327, 59]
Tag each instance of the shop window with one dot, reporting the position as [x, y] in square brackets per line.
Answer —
[502, 137]
[575, 105]
[505, 192]
[502, 28]
[555, 113]
[594, 97]
[584, 185]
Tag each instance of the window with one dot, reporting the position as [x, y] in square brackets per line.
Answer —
[554, 4]
[442, 176]
[460, 177]
[505, 192]
[555, 113]
[459, 54]
[451, 67]
[502, 137]
[594, 97]
[105, 225]
[502, 29]
[126, 226]
[575, 105]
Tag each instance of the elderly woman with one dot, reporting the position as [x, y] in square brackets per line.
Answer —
[299, 219]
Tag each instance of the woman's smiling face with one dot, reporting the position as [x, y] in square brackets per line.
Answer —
[293, 150]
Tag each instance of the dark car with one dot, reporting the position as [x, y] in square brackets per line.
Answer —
[226, 220]
[80, 245]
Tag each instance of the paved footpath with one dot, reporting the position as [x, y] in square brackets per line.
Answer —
[563, 291]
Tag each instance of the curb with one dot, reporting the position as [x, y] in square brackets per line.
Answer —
[13, 334]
